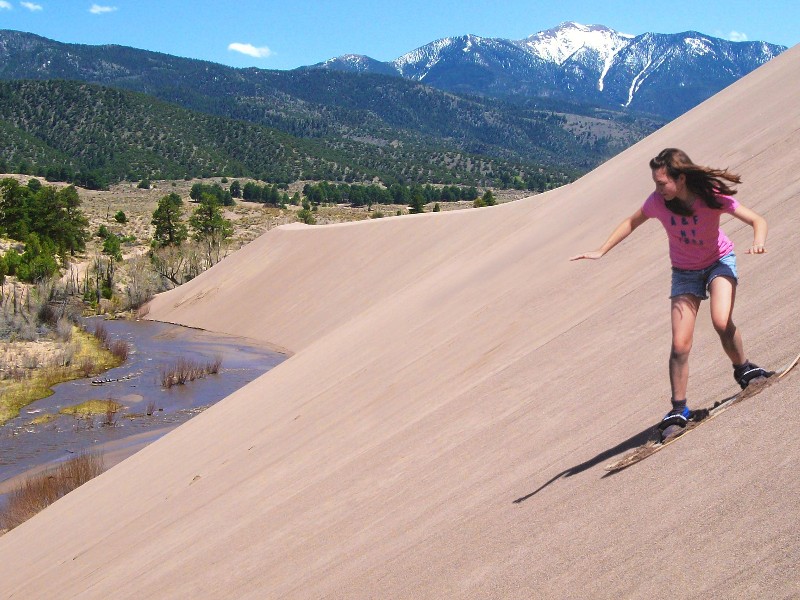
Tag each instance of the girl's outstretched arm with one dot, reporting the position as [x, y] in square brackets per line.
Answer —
[759, 225]
[622, 231]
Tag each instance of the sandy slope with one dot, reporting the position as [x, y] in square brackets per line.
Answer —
[446, 365]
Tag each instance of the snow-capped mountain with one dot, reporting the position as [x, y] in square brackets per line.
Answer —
[592, 45]
[663, 74]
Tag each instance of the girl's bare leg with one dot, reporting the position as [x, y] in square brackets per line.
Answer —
[723, 296]
[684, 314]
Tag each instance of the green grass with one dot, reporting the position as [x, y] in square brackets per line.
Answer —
[91, 358]
[91, 408]
[44, 419]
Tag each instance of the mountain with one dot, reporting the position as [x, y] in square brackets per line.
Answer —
[661, 74]
[358, 63]
[388, 125]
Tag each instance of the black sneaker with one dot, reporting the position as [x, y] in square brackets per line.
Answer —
[677, 416]
[747, 372]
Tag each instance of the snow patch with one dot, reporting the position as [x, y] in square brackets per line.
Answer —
[559, 44]
[426, 56]
[698, 46]
[649, 68]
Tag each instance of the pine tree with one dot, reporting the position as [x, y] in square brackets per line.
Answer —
[168, 221]
[210, 227]
[417, 204]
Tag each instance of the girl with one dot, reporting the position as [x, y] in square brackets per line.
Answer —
[689, 200]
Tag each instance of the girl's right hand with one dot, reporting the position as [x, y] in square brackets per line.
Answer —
[593, 255]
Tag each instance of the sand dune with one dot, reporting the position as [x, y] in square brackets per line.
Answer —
[448, 364]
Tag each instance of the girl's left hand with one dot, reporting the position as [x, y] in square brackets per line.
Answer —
[756, 249]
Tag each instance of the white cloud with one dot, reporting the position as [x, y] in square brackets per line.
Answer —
[250, 50]
[31, 6]
[4, 5]
[99, 10]
[737, 36]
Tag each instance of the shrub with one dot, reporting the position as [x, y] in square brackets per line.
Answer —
[87, 367]
[30, 360]
[120, 350]
[120, 217]
[67, 354]
[25, 330]
[13, 259]
[111, 414]
[212, 368]
[64, 329]
[306, 216]
[46, 314]
[184, 370]
[40, 491]
[101, 333]
[38, 262]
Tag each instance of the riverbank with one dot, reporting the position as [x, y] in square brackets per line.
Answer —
[33, 368]
[44, 434]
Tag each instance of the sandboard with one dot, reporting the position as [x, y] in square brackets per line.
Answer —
[699, 417]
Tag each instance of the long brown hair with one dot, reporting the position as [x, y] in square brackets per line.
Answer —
[704, 182]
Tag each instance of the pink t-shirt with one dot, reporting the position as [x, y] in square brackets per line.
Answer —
[695, 242]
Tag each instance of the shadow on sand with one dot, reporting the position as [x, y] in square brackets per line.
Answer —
[651, 434]
[648, 434]
[629, 444]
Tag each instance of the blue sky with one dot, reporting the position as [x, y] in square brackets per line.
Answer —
[285, 34]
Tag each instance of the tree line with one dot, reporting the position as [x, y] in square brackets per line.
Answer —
[358, 195]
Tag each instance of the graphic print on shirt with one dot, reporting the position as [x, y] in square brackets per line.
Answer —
[685, 222]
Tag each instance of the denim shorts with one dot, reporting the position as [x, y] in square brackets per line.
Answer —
[696, 282]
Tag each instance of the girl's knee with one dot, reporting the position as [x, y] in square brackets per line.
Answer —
[680, 350]
[724, 328]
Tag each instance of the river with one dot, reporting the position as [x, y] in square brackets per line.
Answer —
[137, 386]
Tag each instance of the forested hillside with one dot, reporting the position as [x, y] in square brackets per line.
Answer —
[94, 135]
